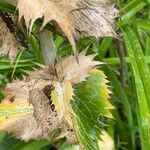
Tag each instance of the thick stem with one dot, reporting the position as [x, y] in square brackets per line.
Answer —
[48, 47]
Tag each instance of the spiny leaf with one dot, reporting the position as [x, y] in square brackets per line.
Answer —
[48, 119]
[89, 105]
[31, 10]
[73, 68]
[76, 70]
[95, 17]
[34, 120]
[91, 18]
[61, 97]
[90, 97]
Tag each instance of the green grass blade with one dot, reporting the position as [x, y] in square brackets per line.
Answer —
[140, 60]
[143, 111]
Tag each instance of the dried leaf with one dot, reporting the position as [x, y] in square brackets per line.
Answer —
[73, 68]
[48, 119]
[40, 77]
[51, 110]
[22, 127]
[31, 10]
[61, 97]
[16, 112]
[8, 44]
[34, 120]
[76, 71]
[95, 17]
[89, 17]
[16, 92]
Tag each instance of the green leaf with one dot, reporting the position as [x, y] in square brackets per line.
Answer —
[141, 79]
[89, 104]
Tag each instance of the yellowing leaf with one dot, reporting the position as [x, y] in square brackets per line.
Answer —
[89, 104]
[106, 142]
[76, 71]
[27, 113]
[61, 97]
[14, 110]
[104, 92]
[23, 127]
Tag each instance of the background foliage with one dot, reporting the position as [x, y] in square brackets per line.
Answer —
[127, 68]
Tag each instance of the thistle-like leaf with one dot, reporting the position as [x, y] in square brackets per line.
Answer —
[89, 104]
[76, 70]
[75, 109]
[32, 117]
[88, 17]
[31, 10]
[61, 97]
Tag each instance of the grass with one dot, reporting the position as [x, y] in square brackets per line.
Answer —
[131, 127]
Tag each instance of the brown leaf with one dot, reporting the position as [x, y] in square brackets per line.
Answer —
[16, 112]
[17, 92]
[8, 44]
[76, 70]
[95, 17]
[31, 10]
[22, 127]
[48, 118]
[88, 17]
[31, 115]
[47, 115]
[41, 77]
[73, 68]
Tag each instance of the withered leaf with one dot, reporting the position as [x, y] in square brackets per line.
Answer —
[76, 70]
[88, 17]
[95, 17]
[69, 68]
[40, 77]
[22, 127]
[49, 115]
[17, 92]
[61, 97]
[31, 10]
[48, 119]
[33, 118]
[16, 112]
[9, 46]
